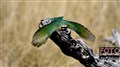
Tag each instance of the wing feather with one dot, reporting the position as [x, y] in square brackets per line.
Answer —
[80, 29]
[42, 34]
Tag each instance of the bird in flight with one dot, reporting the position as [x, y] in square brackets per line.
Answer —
[50, 25]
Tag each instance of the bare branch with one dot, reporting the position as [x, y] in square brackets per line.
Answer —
[80, 51]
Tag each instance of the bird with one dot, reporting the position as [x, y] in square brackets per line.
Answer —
[50, 25]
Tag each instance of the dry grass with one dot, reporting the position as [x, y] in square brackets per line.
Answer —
[19, 21]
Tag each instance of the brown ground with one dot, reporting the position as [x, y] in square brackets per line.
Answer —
[19, 20]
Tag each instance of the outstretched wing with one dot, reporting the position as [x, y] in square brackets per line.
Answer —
[43, 33]
[39, 38]
[80, 29]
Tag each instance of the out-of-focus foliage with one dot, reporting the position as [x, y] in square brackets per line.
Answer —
[19, 20]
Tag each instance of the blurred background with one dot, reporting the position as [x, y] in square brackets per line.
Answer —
[19, 20]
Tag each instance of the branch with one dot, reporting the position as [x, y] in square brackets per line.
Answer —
[79, 50]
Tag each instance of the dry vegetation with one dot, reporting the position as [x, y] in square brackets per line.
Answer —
[19, 21]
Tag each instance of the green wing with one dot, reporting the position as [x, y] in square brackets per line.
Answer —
[80, 29]
[39, 38]
[42, 34]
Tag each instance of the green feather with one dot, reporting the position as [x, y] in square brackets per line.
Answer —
[80, 29]
[42, 34]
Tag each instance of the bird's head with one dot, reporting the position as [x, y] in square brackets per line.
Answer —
[46, 21]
